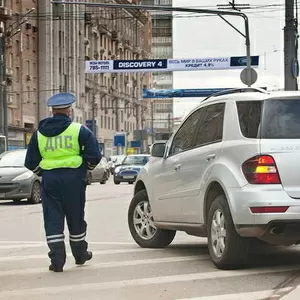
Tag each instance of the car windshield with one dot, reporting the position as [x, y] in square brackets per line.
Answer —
[135, 160]
[12, 159]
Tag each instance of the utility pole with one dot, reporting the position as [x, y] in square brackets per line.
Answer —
[234, 6]
[169, 124]
[152, 121]
[93, 113]
[8, 32]
[3, 98]
[291, 67]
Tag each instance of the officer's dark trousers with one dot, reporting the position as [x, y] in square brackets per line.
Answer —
[63, 195]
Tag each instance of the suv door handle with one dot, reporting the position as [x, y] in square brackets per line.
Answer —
[210, 157]
[177, 167]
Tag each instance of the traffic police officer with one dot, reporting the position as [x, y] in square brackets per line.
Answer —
[62, 151]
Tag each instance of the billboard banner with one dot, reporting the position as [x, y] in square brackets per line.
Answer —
[166, 65]
[180, 93]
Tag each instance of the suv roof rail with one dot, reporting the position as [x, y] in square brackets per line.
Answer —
[234, 91]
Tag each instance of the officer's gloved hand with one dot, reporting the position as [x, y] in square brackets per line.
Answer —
[38, 171]
[90, 166]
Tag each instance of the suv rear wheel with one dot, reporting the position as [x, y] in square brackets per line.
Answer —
[227, 249]
[142, 229]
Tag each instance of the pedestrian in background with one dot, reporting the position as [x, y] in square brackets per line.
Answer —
[61, 151]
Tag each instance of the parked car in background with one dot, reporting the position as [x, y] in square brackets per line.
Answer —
[100, 174]
[16, 181]
[115, 161]
[128, 170]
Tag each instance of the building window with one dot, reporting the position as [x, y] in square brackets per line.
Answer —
[28, 67]
[34, 71]
[28, 93]
[33, 44]
[10, 60]
[18, 48]
[17, 74]
[27, 41]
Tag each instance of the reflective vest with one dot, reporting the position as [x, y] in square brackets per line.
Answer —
[61, 151]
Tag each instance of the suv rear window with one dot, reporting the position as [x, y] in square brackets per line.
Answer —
[249, 113]
[270, 119]
[281, 119]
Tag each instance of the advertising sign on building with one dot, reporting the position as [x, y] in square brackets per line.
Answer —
[163, 65]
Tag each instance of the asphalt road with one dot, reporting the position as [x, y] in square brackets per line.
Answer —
[122, 270]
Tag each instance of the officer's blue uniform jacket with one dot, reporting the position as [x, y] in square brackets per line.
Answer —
[63, 190]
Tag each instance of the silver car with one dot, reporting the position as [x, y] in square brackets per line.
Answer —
[100, 174]
[231, 173]
[16, 181]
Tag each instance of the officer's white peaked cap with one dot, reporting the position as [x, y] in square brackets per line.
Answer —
[61, 100]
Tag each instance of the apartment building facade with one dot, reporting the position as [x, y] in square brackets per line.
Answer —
[114, 101]
[74, 34]
[20, 74]
[162, 47]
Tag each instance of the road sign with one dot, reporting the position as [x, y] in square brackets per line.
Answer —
[163, 65]
[120, 139]
[135, 144]
[248, 80]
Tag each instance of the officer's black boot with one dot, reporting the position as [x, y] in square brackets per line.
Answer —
[55, 269]
[87, 256]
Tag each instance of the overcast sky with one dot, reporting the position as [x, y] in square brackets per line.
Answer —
[199, 37]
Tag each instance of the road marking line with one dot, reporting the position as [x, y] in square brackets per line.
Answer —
[142, 282]
[261, 295]
[22, 246]
[44, 244]
[97, 252]
[112, 264]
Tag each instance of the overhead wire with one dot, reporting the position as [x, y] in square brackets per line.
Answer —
[254, 9]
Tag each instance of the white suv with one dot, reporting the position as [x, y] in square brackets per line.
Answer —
[231, 173]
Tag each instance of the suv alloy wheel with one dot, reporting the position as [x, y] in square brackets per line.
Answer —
[227, 249]
[140, 222]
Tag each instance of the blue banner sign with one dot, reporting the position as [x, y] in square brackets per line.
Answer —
[180, 93]
[120, 139]
[163, 65]
[135, 144]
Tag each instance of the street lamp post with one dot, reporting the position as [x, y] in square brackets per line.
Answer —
[219, 13]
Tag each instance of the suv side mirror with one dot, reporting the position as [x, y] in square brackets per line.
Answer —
[158, 149]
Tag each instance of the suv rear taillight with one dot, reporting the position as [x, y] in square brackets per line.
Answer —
[261, 170]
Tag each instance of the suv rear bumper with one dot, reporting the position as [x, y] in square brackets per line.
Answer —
[265, 225]
[282, 227]
[283, 232]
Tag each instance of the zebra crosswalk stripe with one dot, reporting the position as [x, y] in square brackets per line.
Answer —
[166, 267]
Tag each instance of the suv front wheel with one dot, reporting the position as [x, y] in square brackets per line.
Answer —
[141, 224]
[227, 249]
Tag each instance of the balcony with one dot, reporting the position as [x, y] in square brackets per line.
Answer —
[116, 35]
[103, 28]
[5, 13]
[140, 15]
